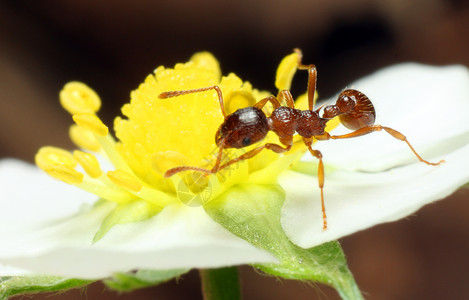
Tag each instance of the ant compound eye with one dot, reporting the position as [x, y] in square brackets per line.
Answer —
[247, 141]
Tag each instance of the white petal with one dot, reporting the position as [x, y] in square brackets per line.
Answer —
[29, 197]
[355, 200]
[178, 237]
[12, 271]
[427, 104]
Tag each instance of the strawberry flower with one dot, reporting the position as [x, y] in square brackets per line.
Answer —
[118, 213]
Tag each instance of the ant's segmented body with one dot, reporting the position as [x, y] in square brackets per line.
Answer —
[250, 125]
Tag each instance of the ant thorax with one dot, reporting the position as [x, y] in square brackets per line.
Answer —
[285, 121]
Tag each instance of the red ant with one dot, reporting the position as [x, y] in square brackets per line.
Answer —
[250, 125]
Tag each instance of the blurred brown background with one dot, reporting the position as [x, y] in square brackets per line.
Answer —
[113, 45]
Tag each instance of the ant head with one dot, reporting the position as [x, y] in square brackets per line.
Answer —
[242, 128]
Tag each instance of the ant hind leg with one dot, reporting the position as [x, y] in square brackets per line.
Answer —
[394, 133]
[318, 155]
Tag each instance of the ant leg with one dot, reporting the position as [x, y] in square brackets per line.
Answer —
[394, 133]
[215, 168]
[171, 94]
[263, 102]
[286, 95]
[274, 147]
[312, 77]
[318, 155]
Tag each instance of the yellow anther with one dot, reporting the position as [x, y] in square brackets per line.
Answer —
[206, 60]
[238, 99]
[285, 71]
[163, 161]
[89, 163]
[49, 156]
[125, 180]
[78, 98]
[91, 122]
[84, 138]
[65, 173]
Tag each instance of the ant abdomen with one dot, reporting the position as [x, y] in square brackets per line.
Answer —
[354, 109]
[362, 112]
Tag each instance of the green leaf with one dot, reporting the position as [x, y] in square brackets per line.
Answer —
[135, 211]
[252, 212]
[19, 285]
[125, 282]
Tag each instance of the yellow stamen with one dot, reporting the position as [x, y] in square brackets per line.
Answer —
[59, 164]
[91, 122]
[64, 173]
[206, 61]
[84, 138]
[78, 98]
[103, 188]
[49, 156]
[285, 71]
[89, 163]
[125, 180]
[238, 99]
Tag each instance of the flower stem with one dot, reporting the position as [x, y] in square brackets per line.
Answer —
[220, 284]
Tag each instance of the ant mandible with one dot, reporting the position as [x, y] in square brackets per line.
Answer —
[250, 125]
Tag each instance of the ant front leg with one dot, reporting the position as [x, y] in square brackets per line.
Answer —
[312, 77]
[215, 168]
[316, 153]
[274, 147]
[276, 102]
[394, 133]
[286, 95]
[263, 102]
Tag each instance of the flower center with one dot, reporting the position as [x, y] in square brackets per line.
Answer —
[158, 134]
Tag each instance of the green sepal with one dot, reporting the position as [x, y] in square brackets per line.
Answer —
[252, 212]
[125, 282]
[134, 211]
[20, 285]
